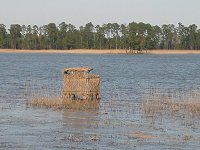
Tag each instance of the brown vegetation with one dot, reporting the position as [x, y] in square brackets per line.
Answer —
[59, 103]
[142, 136]
[80, 91]
[98, 51]
[159, 103]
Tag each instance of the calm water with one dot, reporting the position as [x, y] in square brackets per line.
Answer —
[125, 81]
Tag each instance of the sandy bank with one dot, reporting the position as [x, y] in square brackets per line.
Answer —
[174, 51]
[95, 51]
[75, 51]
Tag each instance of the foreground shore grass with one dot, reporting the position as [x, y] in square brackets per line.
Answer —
[103, 51]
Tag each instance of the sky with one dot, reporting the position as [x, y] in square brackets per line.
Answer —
[80, 12]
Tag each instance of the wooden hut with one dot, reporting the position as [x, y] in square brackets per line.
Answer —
[80, 85]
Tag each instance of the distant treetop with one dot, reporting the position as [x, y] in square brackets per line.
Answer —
[134, 35]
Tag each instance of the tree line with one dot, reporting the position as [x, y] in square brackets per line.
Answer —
[134, 35]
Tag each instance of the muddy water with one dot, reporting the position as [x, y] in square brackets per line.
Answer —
[119, 123]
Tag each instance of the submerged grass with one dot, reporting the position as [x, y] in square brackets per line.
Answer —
[53, 98]
[61, 103]
[188, 104]
[142, 135]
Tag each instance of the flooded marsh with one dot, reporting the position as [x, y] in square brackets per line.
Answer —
[147, 102]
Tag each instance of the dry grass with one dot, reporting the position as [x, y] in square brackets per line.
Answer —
[160, 103]
[98, 51]
[192, 106]
[165, 51]
[74, 51]
[142, 136]
[60, 103]
[51, 95]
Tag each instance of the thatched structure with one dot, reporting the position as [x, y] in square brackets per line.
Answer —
[80, 85]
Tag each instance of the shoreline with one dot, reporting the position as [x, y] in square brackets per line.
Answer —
[98, 51]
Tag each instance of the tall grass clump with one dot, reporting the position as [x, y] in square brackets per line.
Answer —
[61, 103]
[187, 103]
[51, 96]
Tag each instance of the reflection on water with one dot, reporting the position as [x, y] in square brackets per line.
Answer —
[125, 81]
[81, 120]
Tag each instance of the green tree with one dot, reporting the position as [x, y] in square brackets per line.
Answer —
[115, 28]
[62, 33]
[182, 37]
[152, 37]
[88, 30]
[15, 36]
[100, 37]
[72, 37]
[192, 36]
[35, 33]
[141, 36]
[108, 36]
[43, 37]
[108, 33]
[168, 36]
[198, 39]
[23, 37]
[124, 37]
[3, 34]
[132, 35]
[52, 35]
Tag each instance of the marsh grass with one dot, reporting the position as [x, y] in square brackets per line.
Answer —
[141, 135]
[175, 103]
[60, 103]
[52, 98]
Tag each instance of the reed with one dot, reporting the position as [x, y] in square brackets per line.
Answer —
[60, 103]
[55, 99]
[193, 107]
[164, 103]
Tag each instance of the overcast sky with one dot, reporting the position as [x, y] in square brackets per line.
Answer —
[80, 12]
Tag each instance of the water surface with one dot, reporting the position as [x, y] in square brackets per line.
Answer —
[125, 81]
